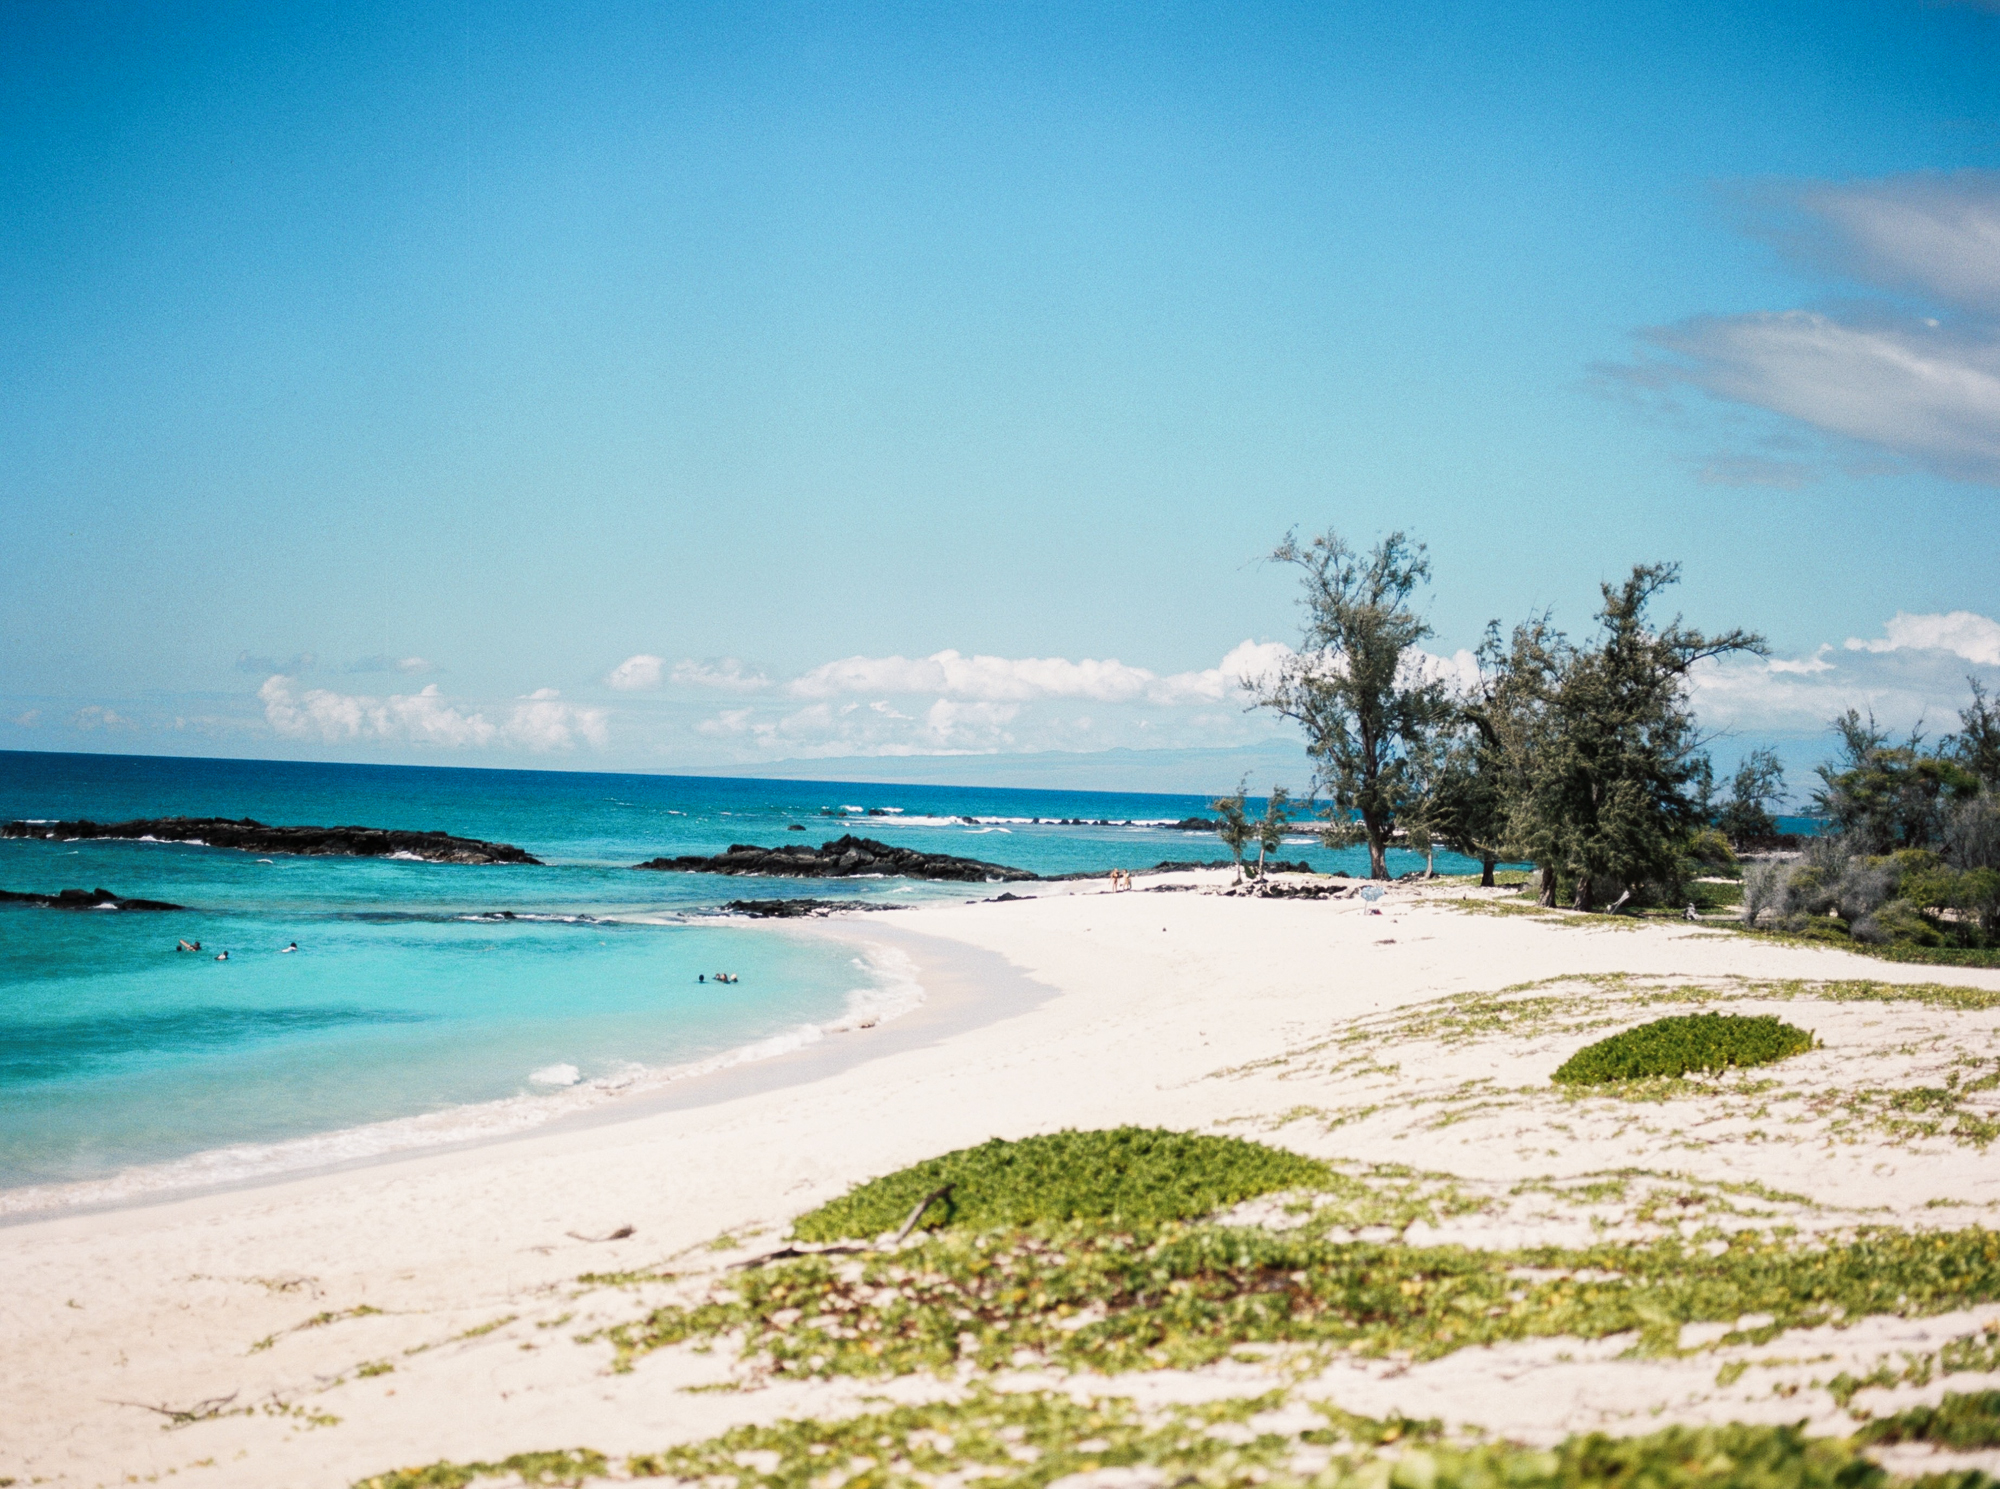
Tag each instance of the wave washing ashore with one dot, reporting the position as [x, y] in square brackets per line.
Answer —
[442, 1002]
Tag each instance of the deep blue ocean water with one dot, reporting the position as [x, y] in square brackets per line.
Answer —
[412, 1013]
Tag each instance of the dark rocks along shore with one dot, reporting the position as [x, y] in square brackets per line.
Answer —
[843, 858]
[257, 837]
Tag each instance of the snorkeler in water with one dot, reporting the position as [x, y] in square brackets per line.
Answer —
[222, 956]
[186, 945]
[293, 947]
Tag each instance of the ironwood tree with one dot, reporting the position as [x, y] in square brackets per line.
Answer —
[1359, 685]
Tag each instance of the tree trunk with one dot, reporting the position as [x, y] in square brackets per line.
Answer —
[1378, 858]
[1582, 900]
[1548, 895]
[1485, 873]
[1260, 862]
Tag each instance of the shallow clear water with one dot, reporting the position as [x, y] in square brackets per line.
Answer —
[413, 1012]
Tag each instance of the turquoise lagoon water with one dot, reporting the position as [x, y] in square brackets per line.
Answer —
[416, 1012]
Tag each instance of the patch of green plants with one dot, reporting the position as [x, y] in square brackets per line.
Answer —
[1029, 1439]
[569, 1466]
[1680, 1043]
[1131, 1175]
[1086, 1298]
[1963, 1421]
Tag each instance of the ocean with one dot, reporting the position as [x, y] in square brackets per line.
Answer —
[439, 1003]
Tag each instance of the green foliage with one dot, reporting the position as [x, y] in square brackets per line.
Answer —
[1134, 1176]
[1609, 775]
[1961, 1422]
[1758, 786]
[563, 1466]
[1029, 1439]
[1232, 823]
[1368, 718]
[1682, 1043]
[1084, 1298]
[1018, 1440]
[1880, 796]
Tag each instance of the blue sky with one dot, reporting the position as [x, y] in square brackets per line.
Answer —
[652, 386]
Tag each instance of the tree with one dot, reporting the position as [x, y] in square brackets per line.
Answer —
[1881, 797]
[1232, 825]
[1357, 684]
[1606, 768]
[1270, 828]
[1759, 785]
[1976, 746]
[1484, 746]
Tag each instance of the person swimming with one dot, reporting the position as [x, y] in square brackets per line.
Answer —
[186, 945]
[293, 947]
[222, 956]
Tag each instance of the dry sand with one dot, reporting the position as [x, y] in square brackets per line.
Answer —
[1314, 1025]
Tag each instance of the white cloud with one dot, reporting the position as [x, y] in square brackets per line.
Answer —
[990, 679]
[1975, 638]
[93, 717]
[29, 719]
[636, 673]
[727, 675]
[379, 662]
[1915, 671]
[1905, 382]
[1923, 391]
[541, 721]
[1935, 233]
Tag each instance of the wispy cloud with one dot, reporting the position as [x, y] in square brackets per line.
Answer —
[540, 721]
[262, 666]
[1914, 371]
[726, 674]
[382, 662]
[91, 716]
[29, 719]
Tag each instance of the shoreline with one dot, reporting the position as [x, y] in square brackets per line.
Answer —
[948, 1001]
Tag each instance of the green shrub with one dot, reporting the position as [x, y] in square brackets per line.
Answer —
[1131, 1175]
[1674, 1046]
[1963, 1421]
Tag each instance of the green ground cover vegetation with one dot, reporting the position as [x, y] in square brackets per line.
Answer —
[1131, 1175]
[1682, 1043]
[1084, 1297]
[1029, 1439]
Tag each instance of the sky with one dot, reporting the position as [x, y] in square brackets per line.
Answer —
[685, 388]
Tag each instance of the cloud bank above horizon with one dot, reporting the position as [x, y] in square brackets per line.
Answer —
[696, 713]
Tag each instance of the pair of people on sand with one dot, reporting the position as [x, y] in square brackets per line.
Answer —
[1120, 880]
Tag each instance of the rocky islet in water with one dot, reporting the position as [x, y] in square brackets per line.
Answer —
[256, 837]
[82, 899]
[844, 858]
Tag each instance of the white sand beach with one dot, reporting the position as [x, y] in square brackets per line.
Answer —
[267, 1314]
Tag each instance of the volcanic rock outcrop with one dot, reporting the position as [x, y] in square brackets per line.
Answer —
[844, 858]
[82, 899]
[256, 837]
